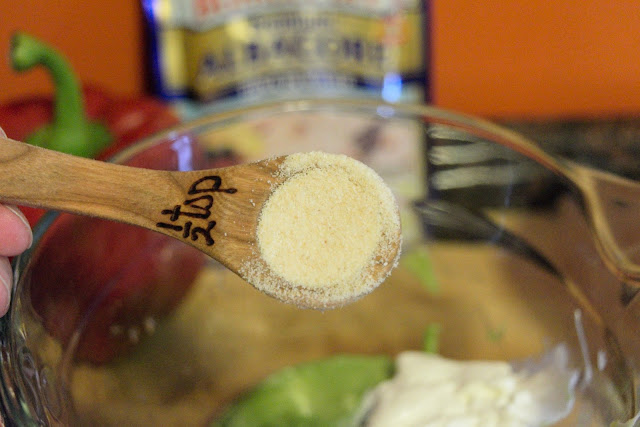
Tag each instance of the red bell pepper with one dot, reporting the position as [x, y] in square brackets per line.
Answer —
[86, 122]
[101, 282]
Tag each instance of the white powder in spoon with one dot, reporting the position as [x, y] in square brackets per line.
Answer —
[326, 232]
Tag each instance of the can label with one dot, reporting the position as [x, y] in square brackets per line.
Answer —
[264, 49]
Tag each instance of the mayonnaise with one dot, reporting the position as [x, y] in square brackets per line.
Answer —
[429, 390]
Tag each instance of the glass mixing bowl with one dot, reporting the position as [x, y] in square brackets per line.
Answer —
[508, 254]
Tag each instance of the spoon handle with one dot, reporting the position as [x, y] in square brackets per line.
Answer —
[178, 204]
[34, 176]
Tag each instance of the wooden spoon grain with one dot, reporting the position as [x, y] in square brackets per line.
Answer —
[214, 210]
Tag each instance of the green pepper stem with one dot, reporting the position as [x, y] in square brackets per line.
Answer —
[70, 130]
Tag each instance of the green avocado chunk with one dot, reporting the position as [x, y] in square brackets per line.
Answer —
[326, 392]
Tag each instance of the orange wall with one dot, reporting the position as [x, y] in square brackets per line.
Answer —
[493, 58]
[564, 57]
[103, 40]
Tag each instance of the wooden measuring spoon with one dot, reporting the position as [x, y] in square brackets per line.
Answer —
[216, 210]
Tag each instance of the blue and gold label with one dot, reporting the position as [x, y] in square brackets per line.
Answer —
[214, 49]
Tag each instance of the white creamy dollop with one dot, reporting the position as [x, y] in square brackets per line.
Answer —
[429, 390]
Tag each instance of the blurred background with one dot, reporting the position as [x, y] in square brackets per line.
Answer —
[565, 73]
[497, 58]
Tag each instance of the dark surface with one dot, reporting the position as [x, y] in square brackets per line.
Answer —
[474, 173]
[608, 144]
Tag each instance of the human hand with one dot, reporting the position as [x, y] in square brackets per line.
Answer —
[15, 237]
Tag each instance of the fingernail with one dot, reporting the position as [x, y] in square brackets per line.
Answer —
[8, 287]
[24, 220]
